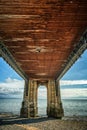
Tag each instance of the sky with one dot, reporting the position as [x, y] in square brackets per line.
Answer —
[73, 84]
[79, 70]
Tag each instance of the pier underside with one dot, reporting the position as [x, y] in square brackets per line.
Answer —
[41, 39]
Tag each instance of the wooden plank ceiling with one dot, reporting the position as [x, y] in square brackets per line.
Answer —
[41, 34]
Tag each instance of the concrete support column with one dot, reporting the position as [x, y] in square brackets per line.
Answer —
[24, 109]
[54, 108]
[32, 98]
[29, 104]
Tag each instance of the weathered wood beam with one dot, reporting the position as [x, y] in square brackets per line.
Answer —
[75, 54]
[4, 52]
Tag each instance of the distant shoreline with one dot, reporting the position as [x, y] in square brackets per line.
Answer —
[11, 98]
[46, 99]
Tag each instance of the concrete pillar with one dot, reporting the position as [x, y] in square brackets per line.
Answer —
[29, 105]
[54, 108]
[32, 98]
[24, 109]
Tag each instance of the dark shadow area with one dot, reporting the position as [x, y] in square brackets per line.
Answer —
[18, 120]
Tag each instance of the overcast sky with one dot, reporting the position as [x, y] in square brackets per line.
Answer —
[73, 83]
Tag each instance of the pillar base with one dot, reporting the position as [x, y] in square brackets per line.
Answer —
[28, 112]
[24, 111]
[55, 112]
[33, 112]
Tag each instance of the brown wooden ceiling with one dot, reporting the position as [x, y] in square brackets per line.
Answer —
[41, 34]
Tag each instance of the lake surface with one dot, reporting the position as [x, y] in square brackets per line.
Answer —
[72, 107]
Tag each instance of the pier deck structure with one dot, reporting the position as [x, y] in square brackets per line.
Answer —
[41, 40]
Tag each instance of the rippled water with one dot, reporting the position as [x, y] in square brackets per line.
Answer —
[75, 107]
[10, 106]
[72, 107]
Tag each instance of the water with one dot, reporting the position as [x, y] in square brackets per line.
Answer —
[72, 107]
[42, 107]
[10, 106]
[75, 107]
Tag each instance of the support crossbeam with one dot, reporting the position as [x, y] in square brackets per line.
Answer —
[75, 54]
[4, 52]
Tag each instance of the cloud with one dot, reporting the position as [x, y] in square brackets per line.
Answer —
[12, 88]
[42, 92]
[74, 93]
[68, 93]
[73, 82]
